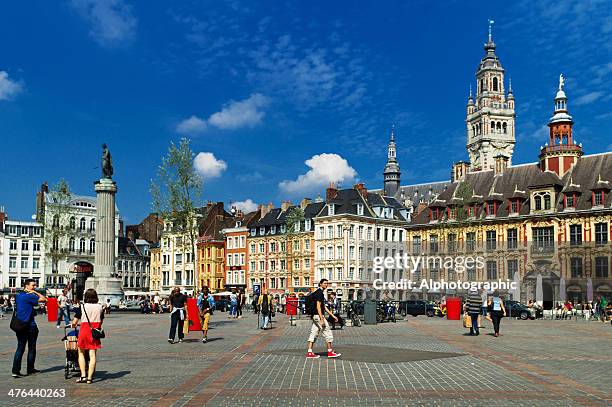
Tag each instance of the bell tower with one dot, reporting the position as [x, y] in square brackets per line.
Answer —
[561, 152]
[490, 117]
[392, 169]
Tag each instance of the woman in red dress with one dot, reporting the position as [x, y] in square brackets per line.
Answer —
[91, 314]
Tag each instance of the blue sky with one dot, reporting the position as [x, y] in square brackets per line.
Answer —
[279, 97]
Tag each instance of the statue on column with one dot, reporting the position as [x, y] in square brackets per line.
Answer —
[107, 162]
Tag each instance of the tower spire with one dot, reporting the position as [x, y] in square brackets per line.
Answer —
[491, 22]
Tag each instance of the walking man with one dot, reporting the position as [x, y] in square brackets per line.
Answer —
[63, 309]
[206, 304]
[315, 306]
[25, 301]
[472, 307]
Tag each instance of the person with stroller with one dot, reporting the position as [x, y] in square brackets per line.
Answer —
[91, 313]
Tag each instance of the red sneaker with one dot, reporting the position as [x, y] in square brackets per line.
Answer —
[312, 355]
[332, 354]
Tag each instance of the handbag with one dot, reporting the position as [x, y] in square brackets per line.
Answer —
[467, 320]
[96, 333]
[17, 325]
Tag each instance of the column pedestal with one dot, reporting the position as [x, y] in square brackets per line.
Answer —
[104, 279]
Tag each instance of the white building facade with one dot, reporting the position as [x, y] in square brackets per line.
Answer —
[21, 254]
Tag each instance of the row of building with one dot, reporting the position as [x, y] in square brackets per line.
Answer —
[545, 225]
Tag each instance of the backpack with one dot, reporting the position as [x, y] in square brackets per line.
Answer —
[310, 304]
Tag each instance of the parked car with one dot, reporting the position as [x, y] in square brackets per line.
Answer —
[515, 309]
[417, 307]
[221, 303]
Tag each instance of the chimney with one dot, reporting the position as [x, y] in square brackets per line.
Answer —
[239, 215]
[265, 209]
[460, 169]
[330, 192]
[304, 203]
[362, 189]
[285, 205]
[501, 162]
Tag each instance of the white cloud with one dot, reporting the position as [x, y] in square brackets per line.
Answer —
[324, 168]
[588, 98]
[208, 166]
[8, 88]
[245, 206]
[192, 125]
[237, 114]
[234, 115]
[112, 22]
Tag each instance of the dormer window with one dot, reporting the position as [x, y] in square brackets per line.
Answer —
[434, 213]
[283, 228]
[515, 206]
[307, 224]
[331, 209]
[491, 208]
[570, 200]
[262, 230]
[296, 227]
[471, 211]
[598, 198]
[452, 213]
[359, 209]
[253, 231]
[541, 201]
[272, 230]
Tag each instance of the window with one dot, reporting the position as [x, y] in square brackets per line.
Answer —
[369, 233]
[178, 258]
[339, 231]
[13, 245]
[72, 223]
[307, 264]
[543, 239]
[307, 281]
[541, 201]
[92, 225]
[262, 265]
[601, 267]
[24, 263]
[495, 85]
[242, 241]
[514, 206]
[470, 241]
[283, 265]
[359, 209]
[296, 281]
[296, 245]
[491, 270]
[360, 253]
[512, 239]
[262, 230]
[307, 244]
[433, 244]
[576, 267]
[491, 208]
[296, 264]
[36, 263]
[272, 283]
[272, 247]
[330, 253]
[331, 210]
[273, 265]
[82, 246]
[352, 252]
[434, 274]
[512, 268]
[92, 246]
[253, 231]
[452, 242]
[82, 224]
[339, 252]
[36, 245]
[321, 253]
[352, 231]
[25, 244]
[575, 235]
[570, 201]
[601, 233]
[471, 274]
[598, 198]
[283, 247]
[262, 247]
[307, 224]
[491, 240]
[55, 221]
[252, 247]
[273, 229]
[330, 232]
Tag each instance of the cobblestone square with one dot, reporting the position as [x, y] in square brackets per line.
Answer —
[554, 363]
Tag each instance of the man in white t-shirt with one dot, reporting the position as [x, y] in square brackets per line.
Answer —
[63, 308]
[156, 307]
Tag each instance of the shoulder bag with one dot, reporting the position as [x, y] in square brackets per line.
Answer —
[96, 333]
[17, 325]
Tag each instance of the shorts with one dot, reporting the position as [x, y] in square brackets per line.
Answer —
[483, 311]
[204, 321]
[318, 328]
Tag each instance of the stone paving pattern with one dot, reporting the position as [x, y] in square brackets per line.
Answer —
[536, 363]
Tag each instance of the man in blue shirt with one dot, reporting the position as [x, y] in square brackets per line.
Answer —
[25, 301]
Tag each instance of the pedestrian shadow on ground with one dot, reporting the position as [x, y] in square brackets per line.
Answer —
[52, 369]
[102, 375]
[193, 340]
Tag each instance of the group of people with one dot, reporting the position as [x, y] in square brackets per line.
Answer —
[26, 330]
[479, 305]
[598, 309]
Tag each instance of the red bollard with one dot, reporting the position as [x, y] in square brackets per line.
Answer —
[52, 309]
[453, 308]
[194, 315]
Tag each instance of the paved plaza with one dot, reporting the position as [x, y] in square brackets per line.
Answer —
[419, 361]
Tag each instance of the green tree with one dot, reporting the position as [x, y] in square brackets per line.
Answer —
[176, 192]
[57, 225]
[293, 222]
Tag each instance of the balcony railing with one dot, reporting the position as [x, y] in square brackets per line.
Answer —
[542, 249]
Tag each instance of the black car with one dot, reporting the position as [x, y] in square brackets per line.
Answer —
[515, 309]
[416, 307]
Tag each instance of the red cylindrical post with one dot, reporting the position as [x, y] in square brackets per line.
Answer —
[453, 308]
[194, 315]
[52, 309]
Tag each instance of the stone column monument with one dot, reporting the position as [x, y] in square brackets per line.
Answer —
[104, 279]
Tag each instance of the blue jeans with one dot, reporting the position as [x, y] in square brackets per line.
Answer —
[23, 338]
[65, 312]
[474, 317]
[233, 308]
[265, 320]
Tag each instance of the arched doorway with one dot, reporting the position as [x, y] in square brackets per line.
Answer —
[547, 295]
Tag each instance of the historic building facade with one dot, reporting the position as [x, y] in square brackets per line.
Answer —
[352, 228]
[133, 265]
[156, 262]
[21, 253]
[545, 225]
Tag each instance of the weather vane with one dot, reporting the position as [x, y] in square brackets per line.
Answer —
[561, 82]
[491, 29]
